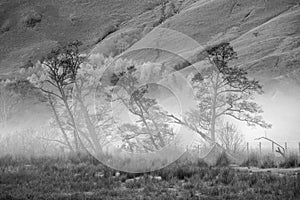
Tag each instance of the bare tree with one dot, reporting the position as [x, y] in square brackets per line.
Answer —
[231, 139]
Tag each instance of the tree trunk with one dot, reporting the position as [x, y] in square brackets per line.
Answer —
[213, 116]
[60, 125]
[88, 122]
[73, 123]
[76, 142]
[214, 107]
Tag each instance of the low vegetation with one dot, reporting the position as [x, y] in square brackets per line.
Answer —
[83, 177]
[268, 161]
[32, 19]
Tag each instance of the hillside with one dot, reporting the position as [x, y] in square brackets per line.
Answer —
[265, 34]
[30, 28]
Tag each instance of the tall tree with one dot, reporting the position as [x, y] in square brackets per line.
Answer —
[223, 91]
[68, 82]
[152, 128]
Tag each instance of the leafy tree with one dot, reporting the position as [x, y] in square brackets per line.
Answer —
[68, 82]
[222, 91]
[152, 129]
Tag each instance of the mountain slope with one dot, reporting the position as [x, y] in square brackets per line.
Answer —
[31, 28]
[265, 34]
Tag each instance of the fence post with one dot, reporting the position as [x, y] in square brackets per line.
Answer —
[273, 148]
[260, 158]
[299, 147]
[248, 149]
[286, 148]
[260, 149]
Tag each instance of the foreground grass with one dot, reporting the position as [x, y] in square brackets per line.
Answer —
[49, 178]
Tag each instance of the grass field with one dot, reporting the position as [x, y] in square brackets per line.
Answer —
[86, 178]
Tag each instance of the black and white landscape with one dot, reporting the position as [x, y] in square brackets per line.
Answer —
[149, 99]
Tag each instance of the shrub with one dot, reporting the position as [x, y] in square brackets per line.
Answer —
[82, 158]
[178, 170]
[222, 160]
[252, 160]
[7, 160]
[5, 26]
[32, 19]
[106, 32]
[201, 163]
[182, 173]
[151, 6]
[268, 162]
[290, 161]
[226, 176]
[181, 65]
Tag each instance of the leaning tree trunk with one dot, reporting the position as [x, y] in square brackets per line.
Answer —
[60, 125]
[90, 126]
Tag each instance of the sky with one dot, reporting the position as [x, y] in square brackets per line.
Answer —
[281, 105]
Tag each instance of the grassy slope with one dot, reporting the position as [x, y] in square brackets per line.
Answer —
[265, 35]
[61, 21]
[248, 24]
[256, 29]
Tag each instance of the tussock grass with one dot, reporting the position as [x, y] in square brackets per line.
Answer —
[82, 178]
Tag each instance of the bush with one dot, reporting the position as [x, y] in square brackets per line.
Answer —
[151, 6]
[201, 163]
[222, 160]
[252, 160]
[106, 32]
[82, 158]
[32, 19]
[178, 170]
[7, 160]
[226, 176]
[5, 26]
[268, 162]
[290, 161]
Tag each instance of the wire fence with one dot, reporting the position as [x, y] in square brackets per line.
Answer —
[266, 147]
[280, 148]
[261, 149]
